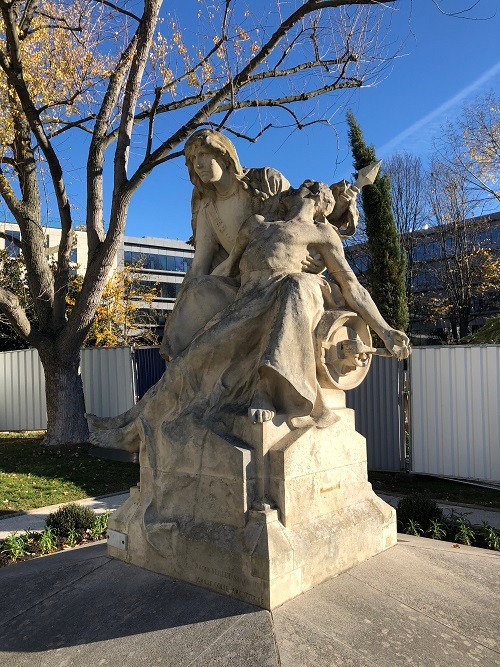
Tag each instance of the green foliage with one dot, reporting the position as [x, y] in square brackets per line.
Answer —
[386, 273]
[73, 537]
[413, 528]
[465, 533]
[490, 536]
[489, 333]
[437, 530]
[71, 519]
[99, 527]
[47, 541]
[419, 509]
[14, 547]
[460, 528]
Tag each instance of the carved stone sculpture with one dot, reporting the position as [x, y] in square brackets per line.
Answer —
[253, 478]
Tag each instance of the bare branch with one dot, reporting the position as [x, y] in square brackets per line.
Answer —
[462, 14]
[132, 89]
[152, 116]
[118, 9]
[15, 314]
[95, 161]
[241, 79]
[276, 73]
[240, 135]
[11, 239]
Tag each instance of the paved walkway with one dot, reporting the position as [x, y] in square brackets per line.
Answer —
[474, 513]
[35, 519]
[422, 603]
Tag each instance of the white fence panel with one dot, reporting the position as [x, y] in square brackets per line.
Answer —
[108, 383]
[455, 415]
[22, 391]
[108, 380]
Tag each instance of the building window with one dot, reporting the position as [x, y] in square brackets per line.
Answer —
[12, 249]
[73, 256]
[152, 262]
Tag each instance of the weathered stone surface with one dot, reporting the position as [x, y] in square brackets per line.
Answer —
[326, 519]
[249, 457]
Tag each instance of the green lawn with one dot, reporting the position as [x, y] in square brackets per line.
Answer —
[434, 487]
[35, 476]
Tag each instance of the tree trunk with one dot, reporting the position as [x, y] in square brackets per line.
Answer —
[464, 327]
[66, 423]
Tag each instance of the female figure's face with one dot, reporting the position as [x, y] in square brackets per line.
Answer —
[208, 166]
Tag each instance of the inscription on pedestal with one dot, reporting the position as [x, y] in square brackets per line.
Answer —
[227, 583]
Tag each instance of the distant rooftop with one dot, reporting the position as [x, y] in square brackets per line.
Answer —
[157, 241]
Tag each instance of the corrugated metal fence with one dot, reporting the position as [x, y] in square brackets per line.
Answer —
[108, 383]
[149, 366]
[455, 411]
[454, 405]
[378, 414]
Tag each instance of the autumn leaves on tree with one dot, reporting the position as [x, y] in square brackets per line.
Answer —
[125, 80]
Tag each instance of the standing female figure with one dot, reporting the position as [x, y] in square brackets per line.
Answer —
[224, 195]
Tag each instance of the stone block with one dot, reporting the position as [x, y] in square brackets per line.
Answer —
[262, 513]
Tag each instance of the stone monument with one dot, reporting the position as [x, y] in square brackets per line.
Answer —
[253, 478]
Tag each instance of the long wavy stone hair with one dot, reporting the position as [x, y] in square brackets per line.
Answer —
[220, 145]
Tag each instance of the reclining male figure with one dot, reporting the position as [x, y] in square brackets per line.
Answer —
[268, 252]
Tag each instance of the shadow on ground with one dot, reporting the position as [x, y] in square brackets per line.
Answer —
[85, 600]
[422, 602]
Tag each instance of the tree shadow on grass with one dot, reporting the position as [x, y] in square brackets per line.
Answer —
[53, 467]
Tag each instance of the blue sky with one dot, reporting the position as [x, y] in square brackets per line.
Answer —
[442, 61]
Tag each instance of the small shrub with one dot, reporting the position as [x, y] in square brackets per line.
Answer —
[418, 508]
[490, 536]
[48, 541]
[99, 527]
[14, 547]
[69, 518]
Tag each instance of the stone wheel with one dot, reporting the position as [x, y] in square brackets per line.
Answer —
[336, 368]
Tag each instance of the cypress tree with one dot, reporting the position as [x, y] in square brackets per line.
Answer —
[386, 258]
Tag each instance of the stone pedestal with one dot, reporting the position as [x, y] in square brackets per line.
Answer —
[262, 514]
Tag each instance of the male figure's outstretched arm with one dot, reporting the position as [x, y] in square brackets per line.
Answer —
[358, 298]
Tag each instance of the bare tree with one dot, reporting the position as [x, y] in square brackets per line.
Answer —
[105, 70]
[465, 270]
[471, 146]
[410, 206]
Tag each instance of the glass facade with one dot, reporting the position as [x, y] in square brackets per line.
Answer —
[146, 260]
[163, 290]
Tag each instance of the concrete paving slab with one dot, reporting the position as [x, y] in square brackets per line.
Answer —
[420, 603]
[118, 615]
[411, 605]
